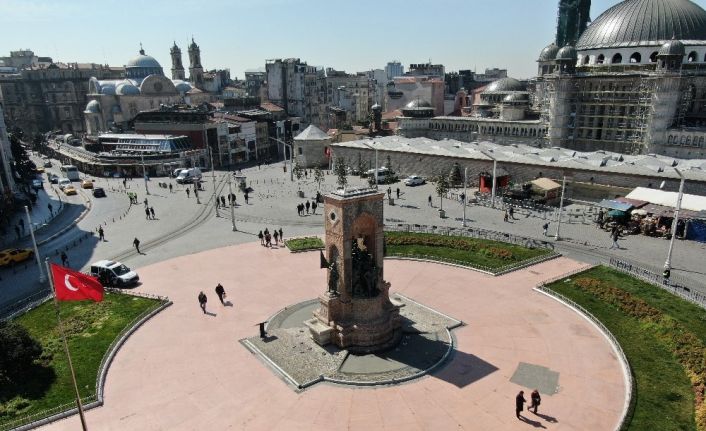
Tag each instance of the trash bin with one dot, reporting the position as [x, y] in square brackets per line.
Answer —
[391, 201]
[300, 194]
[442, 214]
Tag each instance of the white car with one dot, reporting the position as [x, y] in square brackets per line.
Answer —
[414, 180]
[63, 182]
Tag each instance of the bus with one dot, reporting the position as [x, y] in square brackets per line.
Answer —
[70, 172]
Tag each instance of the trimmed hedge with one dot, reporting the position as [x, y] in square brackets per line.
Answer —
[303, 244]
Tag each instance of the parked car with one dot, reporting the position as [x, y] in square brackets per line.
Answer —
[87, 184]
[13, 256]
[99, 192]
[54, 179]
[39, 170]
[64, 182]
[414, 180]
[112, 273]
[69, 190]
[188, 176]
[37, 184]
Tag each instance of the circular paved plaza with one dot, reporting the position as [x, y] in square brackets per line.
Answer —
[184, 370]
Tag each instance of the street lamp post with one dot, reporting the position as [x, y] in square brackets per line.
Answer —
[144, 174]
[463, 201]
[213, 179]
[34, 244]
[376, 162]
[561, 208]
[291, 156]
[668, 262]
[232, 203]
[495, 181]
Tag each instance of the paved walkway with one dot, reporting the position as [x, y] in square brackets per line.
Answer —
[187, 371]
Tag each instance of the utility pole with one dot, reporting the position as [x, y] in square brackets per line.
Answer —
[34, 244]
[465, 182]
[668, 263]
[144, 174]
[232, 202]
[213, 176]
[561, 208]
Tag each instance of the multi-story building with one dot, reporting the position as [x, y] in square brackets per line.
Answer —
[41, 97]
[426, 69]
[255, 80]
[7, 182]
[393, 69]
[349, 94]
[24, 58]
[297, 87]
[405, 89]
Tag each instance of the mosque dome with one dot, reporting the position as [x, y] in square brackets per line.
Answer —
[182, 87]
[645, 23]
[107, 88]
[417, 103]
[567, 53]
[93, 107]
[549, 52]
[504, 85]
[126, 88]
[143, 60]
[142, 66]
[673, 47]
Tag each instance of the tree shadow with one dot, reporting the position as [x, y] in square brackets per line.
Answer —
[34, 385]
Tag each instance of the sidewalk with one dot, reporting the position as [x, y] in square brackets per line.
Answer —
[40, 214]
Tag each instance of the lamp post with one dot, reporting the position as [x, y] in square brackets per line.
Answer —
[668, 262]
[463, 201]
[495, 181]
[561, 208]
[232, 203]
[34, 244]
[291, 156]
[144, 174]
[376, 163]
[213, 178]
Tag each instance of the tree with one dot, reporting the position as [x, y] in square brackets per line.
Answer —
[18, 351]
[360, 164]
[442, 187]
[298, 172]
[340, 169]
[318, 176]
[23, 166]
[455, 176]
[388, 164]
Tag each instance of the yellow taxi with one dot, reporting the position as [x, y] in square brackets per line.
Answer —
[69, 190]
[87, 184]
[13, 256]
[39, 170]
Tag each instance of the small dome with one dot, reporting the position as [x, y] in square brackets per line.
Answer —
[376, 107]
[567, 53]
[107, 88]
[516, 98]
[93, 107]
[673, 47]
[127, 88]
[549, 52]
[182, 86]
[504, 85]
[418, 104]
[143, 60]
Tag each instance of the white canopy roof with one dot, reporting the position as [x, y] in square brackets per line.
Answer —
[668, 199]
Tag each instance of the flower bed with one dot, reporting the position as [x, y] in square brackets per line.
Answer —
[304, 244]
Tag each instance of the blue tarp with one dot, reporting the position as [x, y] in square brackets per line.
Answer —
[696, 230]
[615, 205]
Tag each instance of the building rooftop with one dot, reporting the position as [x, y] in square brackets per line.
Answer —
[312, 133]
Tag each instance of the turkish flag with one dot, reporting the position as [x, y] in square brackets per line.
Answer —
[71, 285]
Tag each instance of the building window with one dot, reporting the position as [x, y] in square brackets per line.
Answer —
[692, 57]
[653, 57]
[600, 59]
[635, 57]
[617, 59]
[299, 151]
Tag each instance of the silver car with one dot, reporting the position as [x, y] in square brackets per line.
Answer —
[414, 180]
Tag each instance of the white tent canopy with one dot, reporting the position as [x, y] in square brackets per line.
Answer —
[668, 199]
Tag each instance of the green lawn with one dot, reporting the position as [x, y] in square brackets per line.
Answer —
[476, 253]
[664, 399]
[307, 243]
[91, 328]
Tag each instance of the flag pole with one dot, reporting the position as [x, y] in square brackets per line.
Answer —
[66, 346]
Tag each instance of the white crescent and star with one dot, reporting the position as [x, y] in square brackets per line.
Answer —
[68, 285]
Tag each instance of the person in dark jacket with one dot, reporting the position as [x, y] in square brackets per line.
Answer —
[202, 301]
[536, 400]
[519, 403]
[221, 292]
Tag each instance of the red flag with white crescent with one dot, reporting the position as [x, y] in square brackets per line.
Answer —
[71, 285]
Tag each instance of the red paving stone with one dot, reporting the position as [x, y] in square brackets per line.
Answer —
[187, 371]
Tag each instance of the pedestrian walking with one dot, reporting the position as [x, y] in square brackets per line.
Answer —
[147, 213]
[101, 233]
[281, 235]
[136, 243]
[519, 403]
[64, 259]
[545, 228]
[223, 201]
[145, 201]
[429, 200]
[313, 207]
[246, 198]
[511, 212]
[152, 212]
[221, 292]
[389, 192]
[299, 209]
[267, 232]
[124, 183]
[268, 240]
[187, 193]
[276, 236]
[51, 209]
[307, 205]
[614, 235]
[170, 187]
[536, 400]
[398, 192]
[202, 301]
[506, 217]
[262, 238]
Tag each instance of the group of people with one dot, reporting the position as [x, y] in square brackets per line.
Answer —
[266, 237]
[221, 200]
[306, 207]
[220, 292]
[520, 402]
[509, 214]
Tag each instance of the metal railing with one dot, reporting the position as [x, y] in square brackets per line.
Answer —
[629, 404]
[675, 284]
[25, 304]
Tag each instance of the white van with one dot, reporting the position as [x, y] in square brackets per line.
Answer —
[112, 273]
[176, 172]
[187, 176]
[63, 182]
[382, 175]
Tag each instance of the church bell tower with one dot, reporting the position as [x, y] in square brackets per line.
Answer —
[195, 68]
[177, 67]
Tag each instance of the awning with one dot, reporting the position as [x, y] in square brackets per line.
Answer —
[636, 203]
[662, 211]
[615, 205]
[545, 184]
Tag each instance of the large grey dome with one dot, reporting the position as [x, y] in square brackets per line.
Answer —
[504, 85]
[548, 53]
[645, 23]
[143, 60]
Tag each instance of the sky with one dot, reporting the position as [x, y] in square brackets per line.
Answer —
[348, 35]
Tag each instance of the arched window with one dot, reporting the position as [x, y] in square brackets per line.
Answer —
[653, 57]
[600, 59]
[617, 59]
[635, 57]
[692, 57]
[586, 59]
